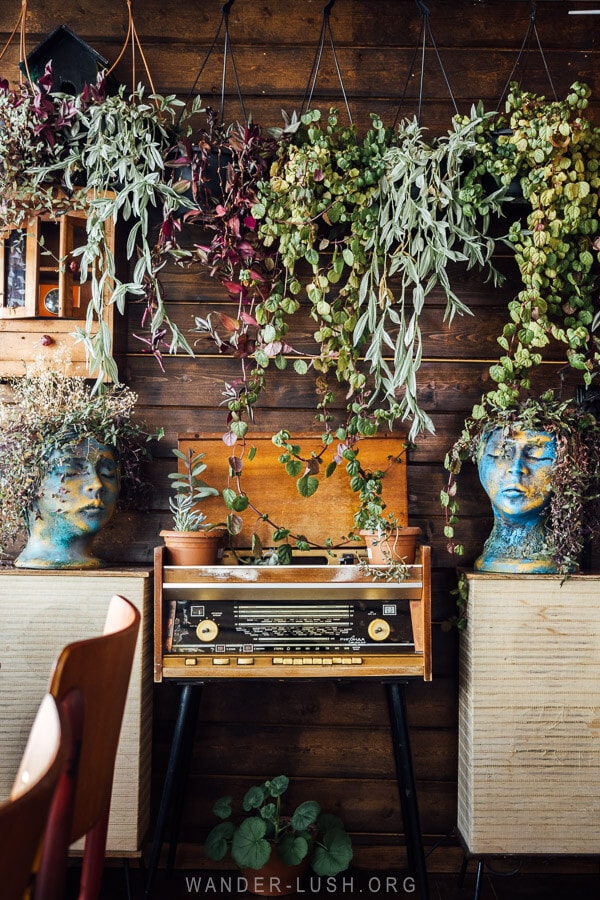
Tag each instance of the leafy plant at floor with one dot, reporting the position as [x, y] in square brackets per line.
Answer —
[48, 409]
[189, 490]
[574, 512]
[555, 153]
[306, 833]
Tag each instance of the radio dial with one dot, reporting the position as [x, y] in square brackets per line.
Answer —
[379, 630]
[207, 630]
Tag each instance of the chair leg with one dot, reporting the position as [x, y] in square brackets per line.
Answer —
[51, 876]
[92, 865]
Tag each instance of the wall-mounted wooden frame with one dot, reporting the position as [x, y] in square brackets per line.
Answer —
[41, 299]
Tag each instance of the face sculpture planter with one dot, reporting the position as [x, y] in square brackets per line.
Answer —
[77, 496]
[515, 471]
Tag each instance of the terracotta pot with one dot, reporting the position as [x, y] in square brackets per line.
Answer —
[275, 878]
[401, 544]
[194, 548]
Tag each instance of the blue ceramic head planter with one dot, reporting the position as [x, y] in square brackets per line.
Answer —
[515, 470]
[77, 496]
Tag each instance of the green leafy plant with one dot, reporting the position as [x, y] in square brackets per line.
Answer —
[574, 512]
[429, 216]
[305, 833]
[48, 409]
[554, 151]
[189, 490]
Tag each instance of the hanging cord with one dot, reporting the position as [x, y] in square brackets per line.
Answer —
[133, 40]
[227, 46]
[21, 28]
[422, 43]
[314, 71]
[531, 30]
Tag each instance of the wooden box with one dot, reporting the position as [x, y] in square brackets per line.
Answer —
[42, 302]
[529, 716]
[40, 612]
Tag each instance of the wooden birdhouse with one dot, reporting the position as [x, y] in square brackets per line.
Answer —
[74, 63]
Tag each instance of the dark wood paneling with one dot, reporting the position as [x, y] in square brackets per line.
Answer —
[318, 734]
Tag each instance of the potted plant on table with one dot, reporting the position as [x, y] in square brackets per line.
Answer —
[267, 844]
[193, 541]
[388, 542]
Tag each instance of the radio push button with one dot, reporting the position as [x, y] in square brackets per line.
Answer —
[207, 630]
[379, 630]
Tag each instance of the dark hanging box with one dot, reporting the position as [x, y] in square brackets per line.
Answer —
[74, 63]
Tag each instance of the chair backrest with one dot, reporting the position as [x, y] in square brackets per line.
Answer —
[90, 682]
[24, 815]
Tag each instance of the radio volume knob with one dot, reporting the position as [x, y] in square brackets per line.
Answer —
[207, 630]
[379, 630]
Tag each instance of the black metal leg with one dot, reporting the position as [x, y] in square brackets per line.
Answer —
[185, 758]
[406, 785]
[480, 864]
[189, 703]
[127, 875]
[463, 870]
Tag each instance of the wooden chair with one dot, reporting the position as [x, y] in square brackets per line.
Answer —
[90, 682]
[23, 816]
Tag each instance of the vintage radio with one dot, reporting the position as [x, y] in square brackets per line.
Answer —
[302, 620]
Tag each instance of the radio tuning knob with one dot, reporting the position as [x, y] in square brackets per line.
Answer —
[207, 630]
[379, 630]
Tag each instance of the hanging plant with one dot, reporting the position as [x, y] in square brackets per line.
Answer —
[36, 131]
[428, 217]
[554, 151]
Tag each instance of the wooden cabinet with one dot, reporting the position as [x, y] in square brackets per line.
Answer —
[529, 716]
[41, 298]
[42, 611]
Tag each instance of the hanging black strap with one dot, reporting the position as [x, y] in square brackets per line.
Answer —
[227, 49]
[312, 78]
[531, 32]
[424, 32]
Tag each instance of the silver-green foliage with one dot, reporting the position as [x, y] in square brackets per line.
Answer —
[125, 140]
[426, 221]
[189, 490]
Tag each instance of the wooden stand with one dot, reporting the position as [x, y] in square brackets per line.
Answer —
[529, 707]
[329, 583]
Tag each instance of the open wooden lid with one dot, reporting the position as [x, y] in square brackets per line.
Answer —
[327, 514]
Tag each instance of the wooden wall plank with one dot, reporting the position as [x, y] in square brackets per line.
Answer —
[274, 44]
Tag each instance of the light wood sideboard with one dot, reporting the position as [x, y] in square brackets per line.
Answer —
[529, 716]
